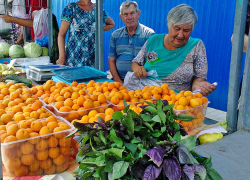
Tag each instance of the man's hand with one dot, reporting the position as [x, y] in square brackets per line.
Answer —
[205, 87]
[140, 72]
[6, 18]
[60, 61]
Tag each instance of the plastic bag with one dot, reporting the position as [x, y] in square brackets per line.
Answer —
[18, 9]
[44, 42]
[211, 135]
[40, 23]
[208, 138]
[5, 29]
[134, 83]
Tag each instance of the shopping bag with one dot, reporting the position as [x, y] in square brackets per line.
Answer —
[19, 10]
[134, 83]
[40, 23]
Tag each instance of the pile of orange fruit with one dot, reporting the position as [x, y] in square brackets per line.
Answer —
[39, 154]
[86, 102]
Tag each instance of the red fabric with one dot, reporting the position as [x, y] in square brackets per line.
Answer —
[34, 5]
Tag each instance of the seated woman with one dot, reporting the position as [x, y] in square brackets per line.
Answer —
[179, 60]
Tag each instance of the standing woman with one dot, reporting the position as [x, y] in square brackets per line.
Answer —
[79, 18]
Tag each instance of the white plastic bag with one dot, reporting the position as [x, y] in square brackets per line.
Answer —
[40, 23]
[134, 83]
[19, 10]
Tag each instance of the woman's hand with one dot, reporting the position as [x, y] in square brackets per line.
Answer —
[205, 87]
[140, 72]
[6, 18]
[60, 61]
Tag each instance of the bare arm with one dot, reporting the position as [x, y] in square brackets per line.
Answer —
[245, 42]
[113, 70]
[61, 42]
[205, 87]
[22, 22]
[109, 24]
[20, 39]
[139, 71]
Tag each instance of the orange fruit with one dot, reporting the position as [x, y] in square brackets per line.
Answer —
[35, 140]
[12, 129]
[58, 135]
[64, 126]
[108, 117]
[41, 145]
[54, 152]
[46, 164]
[36, 126]
[50, 170]
[101, 98]
[6, 118]
[183, 101]
[68, 102]
[10, 138]
[194, 103]
[92, 113]
[21, 171]
[52, 141]
[26, 148]
[42, 155]
[114, 100]
[13, 163]
[19, 117]
[59, 160]
[22, 134]
[51, 119]
[204, 100]
[61, 168]
[3, 136]
[65, 150]
[64, 141]
[35, 106]
[188, 93]
[34, 166]
[88, 104]
[45, 130]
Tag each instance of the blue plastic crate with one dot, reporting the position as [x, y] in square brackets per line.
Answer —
[59, 79]
[2, 61]
[79, 73]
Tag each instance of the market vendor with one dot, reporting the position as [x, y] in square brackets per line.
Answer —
[79, 19]
[179, 59]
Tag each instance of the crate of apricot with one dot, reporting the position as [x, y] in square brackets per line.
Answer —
[191, 104]
[36, 147]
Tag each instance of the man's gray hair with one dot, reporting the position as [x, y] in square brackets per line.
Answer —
[126, 4]
[182, 14]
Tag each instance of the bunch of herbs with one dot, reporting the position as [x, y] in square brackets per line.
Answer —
[145, 146]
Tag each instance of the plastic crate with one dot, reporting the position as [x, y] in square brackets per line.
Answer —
[48, 106]
[4, 61]
[79, 73]
[77, 115]
[35, 156]
[198, 113]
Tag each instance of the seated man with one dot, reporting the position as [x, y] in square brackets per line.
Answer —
[126, 42]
